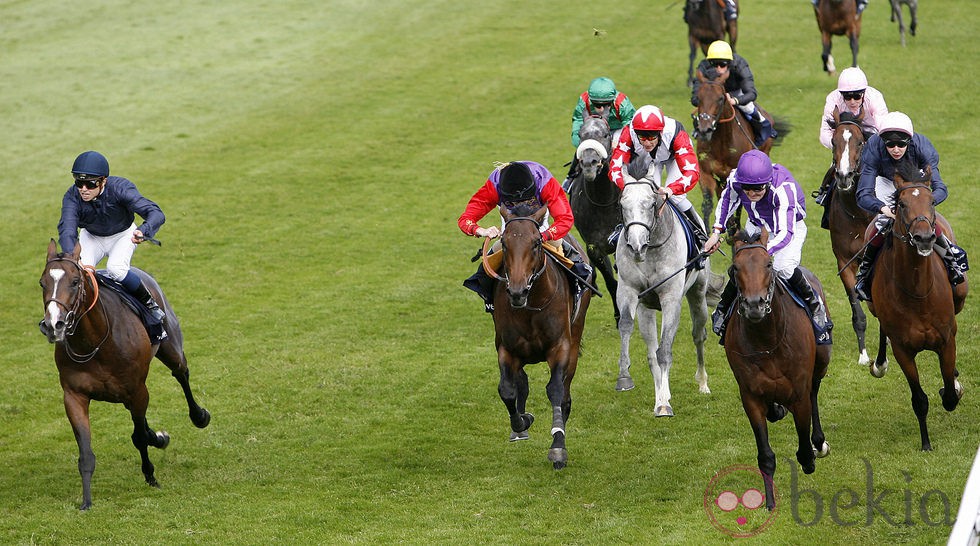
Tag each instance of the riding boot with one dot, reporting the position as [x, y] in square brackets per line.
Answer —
[614, 236]
[731, 10]
[954, 258]
[483, 285]
[719, 317]
[820, 194]
[861, 4]
[573, 171]
[763, 127]
[862, 286]
[579, 267]
[146, 298]
[696, 226]
[818, 311]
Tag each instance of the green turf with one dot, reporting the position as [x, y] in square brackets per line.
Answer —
[312, 159]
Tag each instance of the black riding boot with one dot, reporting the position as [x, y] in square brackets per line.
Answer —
[862, 286]
[731, 11]
[818, 310]
[861, 4]
[954, 258]
[146, 298]
[720, 316]
[572, 173]
[696, 225]
[482, 284]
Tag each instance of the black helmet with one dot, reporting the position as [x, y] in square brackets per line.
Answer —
[516, 183]
[92, 164]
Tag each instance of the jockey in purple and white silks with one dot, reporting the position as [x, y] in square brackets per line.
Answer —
[772, 199]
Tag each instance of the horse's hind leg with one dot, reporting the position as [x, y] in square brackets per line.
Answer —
[699, 331]
[802, 415]
[143, 436]
[175, 359]
[880, 364]
[854, 37]
[859, 321]
[560, 398]
[604, 266]
[76, 407]
[817, 439]
[828, 59]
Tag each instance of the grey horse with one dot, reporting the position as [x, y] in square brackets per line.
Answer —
[651, 249]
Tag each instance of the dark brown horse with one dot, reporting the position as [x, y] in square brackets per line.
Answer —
[912, 297]
[838, 18]
[705, 24]
[723, 135]
[103, 353]
[847, 221]
[536, 320]
[773, 353]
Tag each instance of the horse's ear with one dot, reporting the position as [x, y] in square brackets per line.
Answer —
[836, 116]
[764, 236]
[539, 214]
[52, 250]
[77, 252]
[505, 213]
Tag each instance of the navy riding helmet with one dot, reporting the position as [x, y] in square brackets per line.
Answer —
[91, 163]
[516, 183]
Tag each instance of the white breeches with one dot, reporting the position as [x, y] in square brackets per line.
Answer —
[786, 260]
[118, 247]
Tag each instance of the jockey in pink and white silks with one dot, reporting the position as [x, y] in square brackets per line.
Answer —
[670, 161]
[772, 199]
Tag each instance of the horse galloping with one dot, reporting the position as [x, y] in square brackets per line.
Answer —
[535, 319]
[913, 14]
[594, 199]
[773, 354]
[846, 220]
[912, 297]
[103, 352]
[723, 135]
[838, 18]
[650, 256]
[705, 24]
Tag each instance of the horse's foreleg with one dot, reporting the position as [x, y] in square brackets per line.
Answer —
[513, 393]
[756, 411]
[854, 47]
[699, 332]
[646, 319]
[952, 391]
[920, 402]
[560, 398]
[828, 59]
[76, 407]
[690, 64]
[627, 307]
[817, 438]
[880, 364]
[602, 263]
[859, 321]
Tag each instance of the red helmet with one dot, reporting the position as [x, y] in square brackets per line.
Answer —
[648, 118]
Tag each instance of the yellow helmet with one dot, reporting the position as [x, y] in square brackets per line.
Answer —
[719, 50]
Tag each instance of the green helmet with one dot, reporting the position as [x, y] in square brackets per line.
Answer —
[602, 90]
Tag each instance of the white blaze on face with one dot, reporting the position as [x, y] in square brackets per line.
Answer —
[54, 310]
[845, 156]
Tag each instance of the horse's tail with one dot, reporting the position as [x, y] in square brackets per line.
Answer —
[783, 127]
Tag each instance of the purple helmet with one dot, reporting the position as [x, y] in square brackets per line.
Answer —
[754, 167]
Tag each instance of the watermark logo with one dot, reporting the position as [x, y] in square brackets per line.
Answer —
[735, 502]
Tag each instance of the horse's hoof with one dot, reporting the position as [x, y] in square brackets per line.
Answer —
[879, 371]
[624, 384]
[864, 359]
[809, 468]
[202, 419]
[518, 436]
[528, 420]
[85, 506]
[664, 411]
[703, 389]
[163, 440]
[558, 457]
[152, 482]
[823, 451]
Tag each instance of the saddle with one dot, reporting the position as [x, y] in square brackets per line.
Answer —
[154, 327]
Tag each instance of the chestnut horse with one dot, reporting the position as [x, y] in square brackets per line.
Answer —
[103, 353]
[536, 319]
[838, 18]
[912, 297]
[847, 221]
[705, 24]
[723, 135]
[773, 353]
[594, 199]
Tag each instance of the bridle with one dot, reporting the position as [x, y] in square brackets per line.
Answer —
[538, 245]
[855, 171]
[713, 119]
[658, 212]
[931, 222]
[770, 292]
[72, 315]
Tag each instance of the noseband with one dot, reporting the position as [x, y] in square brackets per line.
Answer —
[931, 222]
[772, 283]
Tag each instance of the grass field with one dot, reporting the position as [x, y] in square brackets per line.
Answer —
[312, 159]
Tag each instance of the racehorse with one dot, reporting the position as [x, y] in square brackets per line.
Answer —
[912, 297]
[536, 319]
[773, 353]
[897, 14]
[723, 135]
[837, 18]
[705, 24]
[847, 221]
[651, 256]
[103, 352]
[595, 199]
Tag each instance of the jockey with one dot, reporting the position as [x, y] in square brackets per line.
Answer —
[670, 150]
[897, 143]
[854, 95]
[603, 100]
[510, 185]
[739, 87]
[774, 200]
[861, 4]
[97, 212]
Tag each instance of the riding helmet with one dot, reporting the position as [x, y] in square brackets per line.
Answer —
[648, 118]
[602, 90]
[852, 79]
[719, 49]
[895, 121]
[754, 167]
[516, 183]
[91, 163]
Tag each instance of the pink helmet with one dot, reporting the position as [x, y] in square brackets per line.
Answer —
[648, 118]
[852, 79]
[754, 167]
[895, 121]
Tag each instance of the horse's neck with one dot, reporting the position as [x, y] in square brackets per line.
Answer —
[548, 289]
[914, 274]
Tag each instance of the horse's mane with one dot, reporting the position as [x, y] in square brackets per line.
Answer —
[845, 118]
[524, 208]
[746, 236]
[910, 172]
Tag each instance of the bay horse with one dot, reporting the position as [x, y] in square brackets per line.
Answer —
[912, 297]
[723, 135]
[535, 319]
[773, 354]
[706, 24]
[838, 18]
[651, 256]
[594, 199]
[913, 14]
[103, 353]
[846, 220]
